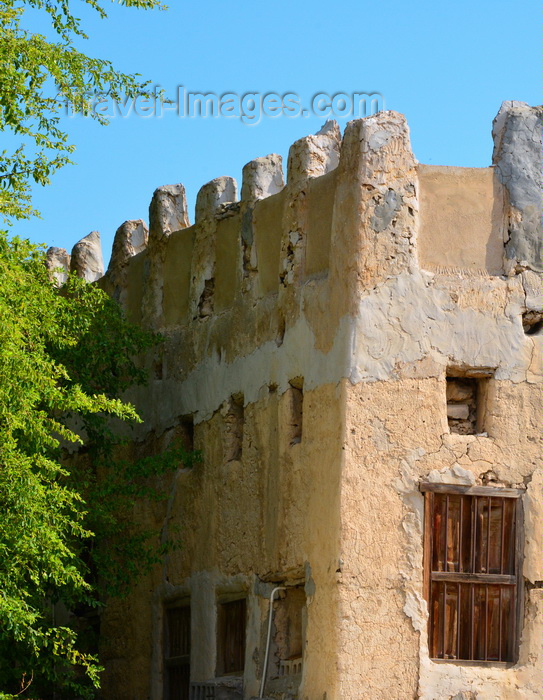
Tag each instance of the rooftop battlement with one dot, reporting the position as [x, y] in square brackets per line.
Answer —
[277, 235]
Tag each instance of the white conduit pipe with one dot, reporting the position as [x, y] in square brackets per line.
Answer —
[266, 655]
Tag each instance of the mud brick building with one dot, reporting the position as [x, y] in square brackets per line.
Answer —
[357, 354]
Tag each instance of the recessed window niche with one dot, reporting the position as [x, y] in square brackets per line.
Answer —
[467, 393]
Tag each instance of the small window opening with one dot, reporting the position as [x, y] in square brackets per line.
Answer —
[466, 404]
[185, 432]
[295, 397]
[177, 653]
[205, 305]
[532, 322]
[231, 624]
[233, 428]
[158, 367]
[289, 624]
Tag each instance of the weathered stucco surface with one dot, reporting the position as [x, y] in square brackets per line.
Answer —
[462, 219]
[395, 438]
[362, 281]
[266, 515]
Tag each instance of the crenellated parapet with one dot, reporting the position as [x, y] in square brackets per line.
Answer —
[518, 143]
[86, 258]
[313, 156]
[355, 213]
[358, 197]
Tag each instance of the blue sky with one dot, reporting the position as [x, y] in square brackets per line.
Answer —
[446, 65]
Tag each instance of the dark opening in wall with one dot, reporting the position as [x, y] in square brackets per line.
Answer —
[158, 366]
[231, 624]
[466, 402]
[234, 418]
[532, 322]
[177, 652]
[185, 432]
[247, 242]
[205, 305]
[280, 337]
[295, 398]
[288, 638]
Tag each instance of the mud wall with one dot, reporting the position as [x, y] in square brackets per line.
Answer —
[360, 282]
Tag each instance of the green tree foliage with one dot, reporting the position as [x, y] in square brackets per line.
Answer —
[65, 356]
[41, 516]
[37, 76]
